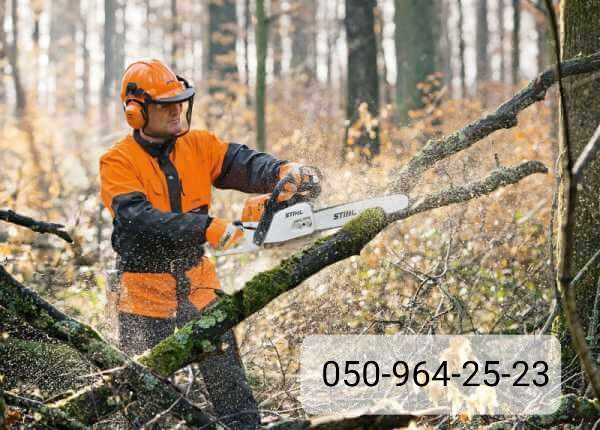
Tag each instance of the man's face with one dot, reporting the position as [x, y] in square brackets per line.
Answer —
[164, 120]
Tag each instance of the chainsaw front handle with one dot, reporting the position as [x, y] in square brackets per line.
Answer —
[272, 205]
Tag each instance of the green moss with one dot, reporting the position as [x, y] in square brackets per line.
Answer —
[89, 404]
[208, 346]
[165, 357]
[109, 356]
[262, 288]
[364, 228]
[207, 322]
[588, 408]
[219, 315]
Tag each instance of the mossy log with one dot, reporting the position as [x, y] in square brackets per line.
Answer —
[572, 410]
[40, 314]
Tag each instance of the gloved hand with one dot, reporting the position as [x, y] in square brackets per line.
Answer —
[305, 180]
[223, 235]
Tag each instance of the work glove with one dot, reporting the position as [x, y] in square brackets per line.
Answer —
[223, 235]
[304, 180]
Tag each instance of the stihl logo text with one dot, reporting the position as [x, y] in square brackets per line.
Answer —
[344, 214]
[293, 213]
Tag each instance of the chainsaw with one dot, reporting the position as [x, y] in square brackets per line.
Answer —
[268, 223]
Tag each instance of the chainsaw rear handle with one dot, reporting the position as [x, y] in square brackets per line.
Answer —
[272, 205]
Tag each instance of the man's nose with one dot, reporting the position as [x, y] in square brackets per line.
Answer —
[175, 108]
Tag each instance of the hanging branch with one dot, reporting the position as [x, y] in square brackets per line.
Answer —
[37, 226]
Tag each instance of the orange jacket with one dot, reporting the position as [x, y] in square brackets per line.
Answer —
[159, 197]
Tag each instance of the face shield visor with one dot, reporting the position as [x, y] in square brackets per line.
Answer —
[173, 114]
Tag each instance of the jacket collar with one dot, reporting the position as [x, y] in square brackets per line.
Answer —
[155, 150]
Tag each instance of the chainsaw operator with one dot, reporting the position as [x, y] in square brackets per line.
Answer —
[157, 184]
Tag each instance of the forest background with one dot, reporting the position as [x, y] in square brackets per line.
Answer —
[353, 87]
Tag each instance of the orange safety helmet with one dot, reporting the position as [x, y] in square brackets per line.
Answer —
[151, 81]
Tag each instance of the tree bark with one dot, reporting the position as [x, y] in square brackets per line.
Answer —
[482, 36]
[13, 59]
[363, 78]
[579, 233]
[304, 46]
[85, 76]
[461, 50]
[175, 36]
[501, 33]
[385, 88]
[3, 53]
[416, 50]
[109, 65]
[516, 36]
[445, 47]
[262, 37]
[544, 47]
[222, 63]
[276, 42]
[245, 37]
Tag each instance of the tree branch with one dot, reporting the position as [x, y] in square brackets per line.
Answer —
[47, 417]
[26, 304]
[37, 226]
[201, 336]
[505, 116]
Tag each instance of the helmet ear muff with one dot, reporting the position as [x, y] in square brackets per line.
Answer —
[135, 113]
[135, 110]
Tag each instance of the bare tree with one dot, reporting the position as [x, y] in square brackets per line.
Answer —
[482, 41]
[416, 50]
[516, 49]
[262, 37]
[578, 241]
[13, 59]
[461, 50]
[362, 102]
[501, 36]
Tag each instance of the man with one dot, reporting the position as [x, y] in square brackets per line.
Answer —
[157, 183]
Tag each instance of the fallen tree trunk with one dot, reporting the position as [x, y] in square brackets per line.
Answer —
[26, 304]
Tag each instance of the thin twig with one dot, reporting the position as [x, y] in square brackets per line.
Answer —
[586, 156]
[37, 226]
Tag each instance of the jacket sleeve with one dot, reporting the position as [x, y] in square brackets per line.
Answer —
[240, 168]
[123, 194]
